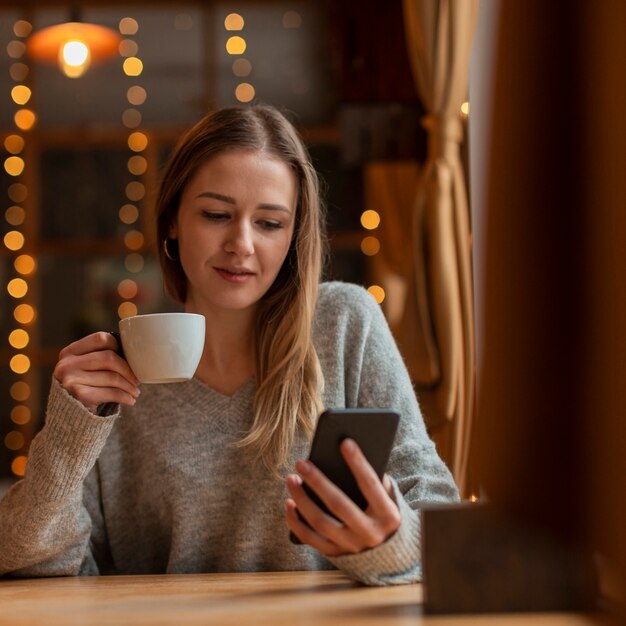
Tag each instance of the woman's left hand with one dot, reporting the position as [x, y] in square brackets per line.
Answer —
[354, 530]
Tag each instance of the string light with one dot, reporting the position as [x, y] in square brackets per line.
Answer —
[370, 219]
[137, 165]
[378, 292]
[234, 21]
[244, 92]
[14, 240]
[235, 46]
[370, 245]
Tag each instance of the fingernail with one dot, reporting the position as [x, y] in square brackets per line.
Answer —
[294, 480]
[349, 445]
[304, 467]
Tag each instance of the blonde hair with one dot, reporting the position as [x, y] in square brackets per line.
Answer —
[288, 373]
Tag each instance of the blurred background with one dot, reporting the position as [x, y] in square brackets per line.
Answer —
[82, 155]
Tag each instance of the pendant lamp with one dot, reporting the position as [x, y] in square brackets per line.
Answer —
[73, 45]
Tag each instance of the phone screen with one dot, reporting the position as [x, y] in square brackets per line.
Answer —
[372, 429]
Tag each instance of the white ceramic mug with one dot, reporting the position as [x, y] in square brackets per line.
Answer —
[163, 347]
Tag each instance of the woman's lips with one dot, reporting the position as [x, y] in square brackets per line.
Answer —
[234, 276]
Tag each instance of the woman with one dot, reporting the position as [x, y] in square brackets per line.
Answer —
[206, 475]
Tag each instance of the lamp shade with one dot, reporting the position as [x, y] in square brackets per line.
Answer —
[73, 45]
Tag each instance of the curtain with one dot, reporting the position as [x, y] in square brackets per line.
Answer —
[438, 314]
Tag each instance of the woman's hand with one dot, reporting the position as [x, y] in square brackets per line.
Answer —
[354, 530]
[91, 371]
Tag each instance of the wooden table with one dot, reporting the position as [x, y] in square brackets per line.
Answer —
[295, 598]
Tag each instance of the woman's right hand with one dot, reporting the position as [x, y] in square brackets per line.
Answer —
[90, 370]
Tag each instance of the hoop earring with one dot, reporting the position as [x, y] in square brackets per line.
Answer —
[167, 252]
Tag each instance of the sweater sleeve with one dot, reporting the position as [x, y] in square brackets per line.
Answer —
[45, 527]
[376, 376]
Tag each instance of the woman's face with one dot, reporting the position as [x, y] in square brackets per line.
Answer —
[234, 227]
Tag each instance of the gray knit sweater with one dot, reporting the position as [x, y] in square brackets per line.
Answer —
[159, 487]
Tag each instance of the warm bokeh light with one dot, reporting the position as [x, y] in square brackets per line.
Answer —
[22, 28]
[292, 19]
[137, 141]
[14, 440]
[242, 67]
[465, 109]
[14, 165]
[136, 95]
[17, 287]
[370, 246]
[137, 165]
[134, 262]
[370, 219]
[18, 466]
[13, 144]
[128, 214]
[20, 391]
[25, 264]
[15, 215]
[21, 94]
[20, 364]
[19, 339]
[16, 49]
[134, 240]
[135, 191]
[17, 192]
[131, 118]
[234, 21]
[128, 26]
[18, 72]
[127, 289]
[24, 119]
[14, 240]
[133, 66]
[244, 92]
[21, 414]
[24, 313]
[236, 45]
[126, 309]
[128, 48]
[378, 292]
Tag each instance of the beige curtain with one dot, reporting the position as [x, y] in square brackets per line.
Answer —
[438, 315]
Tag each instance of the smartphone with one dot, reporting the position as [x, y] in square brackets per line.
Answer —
[372, 429]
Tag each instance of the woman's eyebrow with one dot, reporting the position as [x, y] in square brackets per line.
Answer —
[216, 196]
[231, 200]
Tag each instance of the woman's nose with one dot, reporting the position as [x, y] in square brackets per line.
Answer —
[239, 240]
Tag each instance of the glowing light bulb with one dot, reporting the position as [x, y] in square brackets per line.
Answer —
[74, 58]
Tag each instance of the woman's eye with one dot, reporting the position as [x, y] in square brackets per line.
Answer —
[215, 217]
[267, 225]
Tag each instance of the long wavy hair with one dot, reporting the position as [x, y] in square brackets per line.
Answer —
[288, 374]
